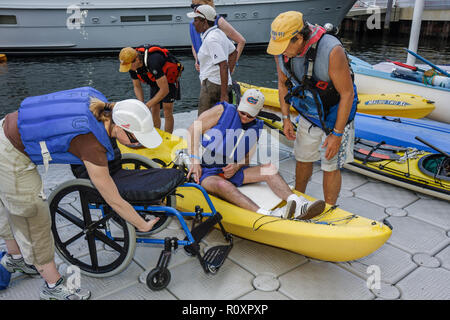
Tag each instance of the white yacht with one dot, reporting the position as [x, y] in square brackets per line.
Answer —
[49, 26]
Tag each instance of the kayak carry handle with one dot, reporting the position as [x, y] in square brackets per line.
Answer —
[433, 147]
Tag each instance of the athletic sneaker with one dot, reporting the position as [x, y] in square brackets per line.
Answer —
[19, 265]
[284, 212]
[309, 209]
[62, 292]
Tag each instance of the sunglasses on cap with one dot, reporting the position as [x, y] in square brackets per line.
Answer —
[195, 6]
[247, 115]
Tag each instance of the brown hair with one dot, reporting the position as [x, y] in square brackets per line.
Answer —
[100, 109]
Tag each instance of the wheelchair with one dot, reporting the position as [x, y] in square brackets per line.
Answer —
[90, 235]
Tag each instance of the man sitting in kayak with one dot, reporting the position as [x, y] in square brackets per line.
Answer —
[229, 136]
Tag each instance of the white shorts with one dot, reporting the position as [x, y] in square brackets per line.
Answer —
[308, 145]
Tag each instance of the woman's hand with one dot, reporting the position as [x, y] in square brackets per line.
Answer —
[148, 225]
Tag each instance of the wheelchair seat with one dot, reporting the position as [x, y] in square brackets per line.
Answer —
[147, 186]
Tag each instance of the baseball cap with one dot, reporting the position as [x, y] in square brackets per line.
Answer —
[285, 26]
[204, 11]
[126, 56]
[133, 116]
[251, 102]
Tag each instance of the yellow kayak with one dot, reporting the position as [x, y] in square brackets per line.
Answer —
[336, 235]
[390, 104]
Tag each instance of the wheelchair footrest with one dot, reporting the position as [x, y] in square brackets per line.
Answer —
[201, 230]
[215, 257]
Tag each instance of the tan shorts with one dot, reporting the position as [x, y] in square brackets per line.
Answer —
[210, 94]
[308, 146]
[24, 216]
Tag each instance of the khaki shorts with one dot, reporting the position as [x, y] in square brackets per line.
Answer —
[209, 95]
[24, 216]
[308, 146]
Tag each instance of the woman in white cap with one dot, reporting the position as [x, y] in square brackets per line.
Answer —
[229, 136]
[217, 56]
[73, 127]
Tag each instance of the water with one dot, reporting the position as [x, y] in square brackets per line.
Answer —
[29, 76]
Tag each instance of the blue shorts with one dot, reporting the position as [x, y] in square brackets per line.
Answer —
[237, 179]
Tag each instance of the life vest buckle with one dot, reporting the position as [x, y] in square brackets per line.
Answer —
[322, 85]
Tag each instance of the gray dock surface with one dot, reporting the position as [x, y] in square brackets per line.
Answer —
[413, 264]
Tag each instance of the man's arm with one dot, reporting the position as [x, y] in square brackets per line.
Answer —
[288, 128]
[163, 85]
[339, 73]
[205, 121]
[138, 90]
[223, 80]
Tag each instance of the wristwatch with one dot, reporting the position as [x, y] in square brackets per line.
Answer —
[283, 116]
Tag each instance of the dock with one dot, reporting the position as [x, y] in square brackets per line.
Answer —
[413, 264]
[370, 16]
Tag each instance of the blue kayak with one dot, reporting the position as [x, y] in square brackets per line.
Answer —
[402, 131]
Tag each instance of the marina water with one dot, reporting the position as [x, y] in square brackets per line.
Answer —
[26, 76]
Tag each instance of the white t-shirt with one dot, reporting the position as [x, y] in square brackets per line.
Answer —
[215, 48]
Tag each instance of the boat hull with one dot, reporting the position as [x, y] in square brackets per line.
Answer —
[111, 25]
[371, 81]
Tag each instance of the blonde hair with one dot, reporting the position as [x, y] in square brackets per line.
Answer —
[208, 2]
[100, 109]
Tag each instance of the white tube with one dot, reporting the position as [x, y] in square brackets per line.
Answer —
[415, 30]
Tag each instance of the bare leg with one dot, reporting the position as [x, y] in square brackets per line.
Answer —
[49, 272]
[156, 116]
[303, 172]
[332, 181]
[168, 117]
[12, 247]
[228, 191]
[269, 174]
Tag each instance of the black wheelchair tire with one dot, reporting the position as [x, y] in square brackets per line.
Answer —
[158, 278]
[126, 253]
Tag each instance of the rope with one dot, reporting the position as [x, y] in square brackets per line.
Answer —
[315, 220]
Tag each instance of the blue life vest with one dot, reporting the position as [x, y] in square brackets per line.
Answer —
[310, 105]
[50, 122]
[5, 275]
[314, 98]
[229, 140]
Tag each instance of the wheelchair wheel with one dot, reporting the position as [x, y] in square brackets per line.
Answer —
[158, 278]
[132, 161]
[84, 237]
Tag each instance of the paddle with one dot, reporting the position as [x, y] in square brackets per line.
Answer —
[404, 65]
[433, 147]
[428, 62]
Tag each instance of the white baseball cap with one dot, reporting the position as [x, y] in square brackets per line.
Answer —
[204, 11]
[251, 102]
[134, 116]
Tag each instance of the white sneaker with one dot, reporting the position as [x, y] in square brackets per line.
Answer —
[309, 209]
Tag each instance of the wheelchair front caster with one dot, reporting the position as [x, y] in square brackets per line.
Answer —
[158, 278]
